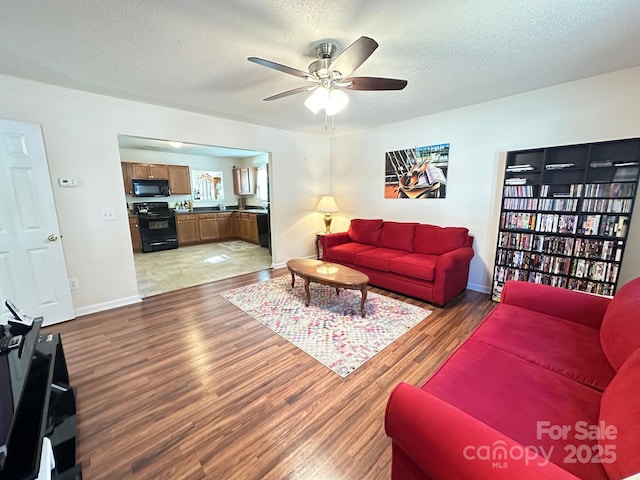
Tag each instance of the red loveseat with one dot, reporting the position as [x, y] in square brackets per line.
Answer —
[419, 260]
[547, 387]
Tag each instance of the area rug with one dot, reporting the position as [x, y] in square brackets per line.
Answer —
[331, 328]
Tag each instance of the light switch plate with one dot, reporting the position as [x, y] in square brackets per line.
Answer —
[67, 182]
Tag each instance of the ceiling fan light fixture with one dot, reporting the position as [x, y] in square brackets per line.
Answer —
[332, 101]
[317, 100]
[336, 102]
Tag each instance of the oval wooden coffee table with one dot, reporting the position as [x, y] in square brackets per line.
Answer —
[332, 274]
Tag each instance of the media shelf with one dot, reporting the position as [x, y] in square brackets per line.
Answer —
[565, 215]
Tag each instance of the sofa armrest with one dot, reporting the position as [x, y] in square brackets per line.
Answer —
[445, 442]
[578, 307]
[460, 257]
[333, 239]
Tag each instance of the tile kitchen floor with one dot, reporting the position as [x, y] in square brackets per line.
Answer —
[169, 270]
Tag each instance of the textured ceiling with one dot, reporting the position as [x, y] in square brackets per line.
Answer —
[193, 54]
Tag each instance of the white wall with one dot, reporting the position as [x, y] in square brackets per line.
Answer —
[596, 109]
[80, 135]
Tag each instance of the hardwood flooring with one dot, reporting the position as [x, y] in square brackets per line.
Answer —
[187, 386]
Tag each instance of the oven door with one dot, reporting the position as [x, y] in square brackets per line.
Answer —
[158, 232]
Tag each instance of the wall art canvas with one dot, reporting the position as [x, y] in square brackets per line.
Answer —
[418, 172]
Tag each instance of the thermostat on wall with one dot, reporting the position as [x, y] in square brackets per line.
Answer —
[67, 182]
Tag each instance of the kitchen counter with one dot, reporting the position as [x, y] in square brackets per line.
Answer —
[217, 210]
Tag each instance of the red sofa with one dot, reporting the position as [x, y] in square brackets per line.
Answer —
[547, 387]
[419, 260]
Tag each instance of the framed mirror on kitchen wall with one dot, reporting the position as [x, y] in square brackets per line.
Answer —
[197, 213]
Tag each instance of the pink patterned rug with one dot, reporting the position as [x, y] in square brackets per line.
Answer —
[330, 329]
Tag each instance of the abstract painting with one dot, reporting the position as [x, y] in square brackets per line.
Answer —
[418, 172]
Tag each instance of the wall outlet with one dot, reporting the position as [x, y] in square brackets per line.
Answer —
[106, 214]
[74, 284]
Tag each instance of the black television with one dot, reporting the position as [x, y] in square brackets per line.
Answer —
[15, 365]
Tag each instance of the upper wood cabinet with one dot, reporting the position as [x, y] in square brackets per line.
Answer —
[244, 180]
[178, 176]
[127, 175]
[179, 180]
[146, 170]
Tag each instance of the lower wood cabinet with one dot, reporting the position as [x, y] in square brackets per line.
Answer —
[247, 227]
[208, 226]
[225, 225]
[134, 229]
[188, 228]
[211, 227]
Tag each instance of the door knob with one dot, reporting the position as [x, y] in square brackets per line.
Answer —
[52, 237]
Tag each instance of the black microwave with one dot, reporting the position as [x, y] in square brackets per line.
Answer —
[150, 188]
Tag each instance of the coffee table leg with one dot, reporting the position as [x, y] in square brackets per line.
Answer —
[306, 289]
[337, 291]
[363, 290]
[293, 280]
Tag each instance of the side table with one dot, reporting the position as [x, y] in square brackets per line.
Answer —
[318, 235]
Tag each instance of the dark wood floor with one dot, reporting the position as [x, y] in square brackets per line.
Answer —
[186, 385]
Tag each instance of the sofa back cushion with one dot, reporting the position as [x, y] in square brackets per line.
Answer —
[620, 330]
[434, 240]
[619, 411]
[398, 235]
[365, 231]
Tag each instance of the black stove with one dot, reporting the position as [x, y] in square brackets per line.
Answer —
[157, 226]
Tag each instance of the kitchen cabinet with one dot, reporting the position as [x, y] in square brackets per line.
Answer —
[225, 226]
[188, 229]
[178, 175]
[244, 180]
[247, 227]
[208, 223]
[212, 227]
[134, 229]
[145, 170]
[179, 179]
[127, 175]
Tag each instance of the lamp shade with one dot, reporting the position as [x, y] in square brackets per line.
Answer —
[327, 204]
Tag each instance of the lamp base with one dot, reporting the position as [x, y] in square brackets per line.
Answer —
[327, 223]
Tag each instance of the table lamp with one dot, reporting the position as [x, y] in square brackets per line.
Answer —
[327, 205]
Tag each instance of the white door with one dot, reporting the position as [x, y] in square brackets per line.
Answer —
[33, 274]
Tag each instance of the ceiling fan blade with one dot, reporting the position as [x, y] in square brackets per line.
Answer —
[353, 56]
[279, 67]
[371, 83]
[290, 92]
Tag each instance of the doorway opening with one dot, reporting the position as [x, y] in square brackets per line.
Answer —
[218, 198]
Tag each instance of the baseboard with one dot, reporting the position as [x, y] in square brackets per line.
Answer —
[284, 264]
[99, 307]
[479, 288]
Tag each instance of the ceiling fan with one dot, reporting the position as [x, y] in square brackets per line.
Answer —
[331, 73]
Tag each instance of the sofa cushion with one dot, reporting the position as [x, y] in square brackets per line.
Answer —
[365, 231]
[345, 252]
[398, 235]
[416, 265]
[619, 409]
[377, 258]
[434, 240]
[512, 395]
[620, 330]
[562, 346]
